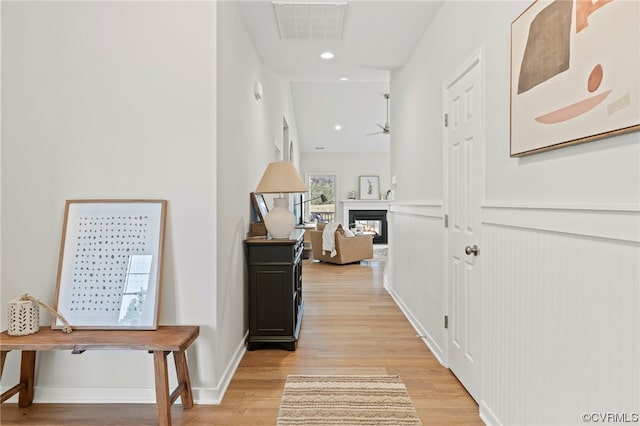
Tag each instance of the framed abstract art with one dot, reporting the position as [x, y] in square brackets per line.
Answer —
[574, 73]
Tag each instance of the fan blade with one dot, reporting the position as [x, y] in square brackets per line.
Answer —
[376, 133]
[382, 127]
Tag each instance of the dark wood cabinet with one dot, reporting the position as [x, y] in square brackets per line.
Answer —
[275, 290]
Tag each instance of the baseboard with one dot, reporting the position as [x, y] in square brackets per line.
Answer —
[147, 395]
[90, 395]
[487, 416]
[133, 395]
[435, 349]
[225, 380]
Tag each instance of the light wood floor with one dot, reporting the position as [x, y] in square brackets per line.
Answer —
[350, 326]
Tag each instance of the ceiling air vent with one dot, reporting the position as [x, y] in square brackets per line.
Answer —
[310, 20]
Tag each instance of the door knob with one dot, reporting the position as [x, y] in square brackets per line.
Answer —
[472, 250]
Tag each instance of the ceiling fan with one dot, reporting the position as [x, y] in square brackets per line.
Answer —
[385, 128]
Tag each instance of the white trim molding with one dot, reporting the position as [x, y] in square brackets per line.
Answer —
[136, 395]
[415, 276]
[611, 221]
[418, 209]
[423, 334]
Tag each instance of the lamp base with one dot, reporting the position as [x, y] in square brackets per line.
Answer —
[280, 222]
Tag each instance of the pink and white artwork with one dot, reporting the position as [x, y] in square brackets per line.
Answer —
[575, 72]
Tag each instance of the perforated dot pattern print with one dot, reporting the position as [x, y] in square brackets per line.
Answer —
[110, 265]
[103, 246]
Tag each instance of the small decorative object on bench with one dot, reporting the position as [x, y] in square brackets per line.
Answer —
[24, 316]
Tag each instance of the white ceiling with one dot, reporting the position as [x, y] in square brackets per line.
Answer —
[356, 106]
[377, 37]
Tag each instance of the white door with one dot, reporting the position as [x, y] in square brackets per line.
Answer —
[464, 136]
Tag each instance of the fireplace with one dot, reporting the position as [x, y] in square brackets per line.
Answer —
[374, 221]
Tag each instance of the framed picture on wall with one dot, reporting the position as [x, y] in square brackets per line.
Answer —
[574, 73]
[110, 264]
[369, 187]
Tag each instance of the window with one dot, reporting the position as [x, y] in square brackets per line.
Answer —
[316, 210]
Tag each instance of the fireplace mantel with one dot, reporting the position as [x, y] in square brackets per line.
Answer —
[362, 205]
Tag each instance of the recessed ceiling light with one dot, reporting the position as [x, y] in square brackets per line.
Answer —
[337, 127]
[327, 55]
[343, 79]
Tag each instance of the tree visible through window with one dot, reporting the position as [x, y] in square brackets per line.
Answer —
[316, 210]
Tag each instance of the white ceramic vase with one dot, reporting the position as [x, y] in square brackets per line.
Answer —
[280, 222]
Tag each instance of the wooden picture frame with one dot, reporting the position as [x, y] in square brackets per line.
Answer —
[110, 264]
[259, 206]
[574, 73]
[369, 187]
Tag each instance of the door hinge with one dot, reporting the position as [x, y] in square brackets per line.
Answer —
[446, 120]
[446, 321]
[446, 220]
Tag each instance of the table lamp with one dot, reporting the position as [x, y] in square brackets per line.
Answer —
[279, 178]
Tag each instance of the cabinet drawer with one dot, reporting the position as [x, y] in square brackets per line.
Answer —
[275, 254]
[271, 254]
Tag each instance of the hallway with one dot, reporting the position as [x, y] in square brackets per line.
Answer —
[350, 326]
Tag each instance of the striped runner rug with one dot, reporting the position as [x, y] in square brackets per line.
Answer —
[346, 400]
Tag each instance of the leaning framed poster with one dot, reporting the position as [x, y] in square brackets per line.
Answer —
[574, 73]
[110, 265]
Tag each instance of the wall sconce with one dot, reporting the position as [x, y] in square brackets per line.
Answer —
[257, 90]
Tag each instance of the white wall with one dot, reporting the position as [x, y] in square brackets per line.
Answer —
[247, 132]
[110, 100]
[278, 104]
[161, 108]
[561, 238]
[240, 158]
[349, 166]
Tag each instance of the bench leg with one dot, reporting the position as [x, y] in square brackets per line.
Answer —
[163, 402]
[27, 377]
[182, 373]
[4, 356]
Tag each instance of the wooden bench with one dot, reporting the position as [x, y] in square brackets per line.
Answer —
[160, 342]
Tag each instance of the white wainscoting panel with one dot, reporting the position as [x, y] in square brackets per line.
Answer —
[561, 316]
[414, 278]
